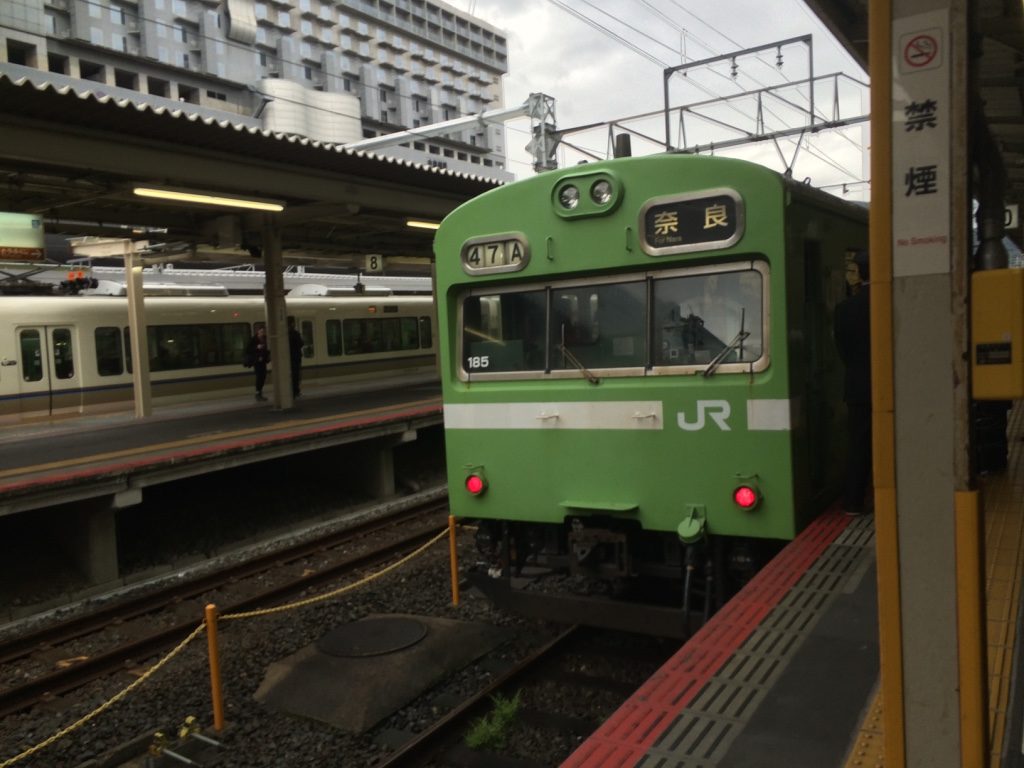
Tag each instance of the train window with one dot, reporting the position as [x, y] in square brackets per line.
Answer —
[426, 336]
[109, 358]
[599, 326]
[307, 338]
[410, 333]
[333, 337]
[362, 337]
[234, 339]
[31, 355]
[504, 332]
[128, 349]
[700, 316]
[392, 334]
[63, 354]
[178, 347]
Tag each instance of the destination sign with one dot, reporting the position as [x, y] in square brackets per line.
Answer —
[692, 222]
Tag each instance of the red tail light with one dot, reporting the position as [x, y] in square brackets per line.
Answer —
[476, 484]
[746, 497]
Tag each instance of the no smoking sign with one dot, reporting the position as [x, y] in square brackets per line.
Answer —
[920, 51]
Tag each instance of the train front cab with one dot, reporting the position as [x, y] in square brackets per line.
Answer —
[586, 389]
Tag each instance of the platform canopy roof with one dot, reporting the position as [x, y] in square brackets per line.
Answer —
[75, 156]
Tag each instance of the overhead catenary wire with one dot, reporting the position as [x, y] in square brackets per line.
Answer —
[646, 54]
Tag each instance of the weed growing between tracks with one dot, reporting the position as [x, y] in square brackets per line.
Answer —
[491, 731]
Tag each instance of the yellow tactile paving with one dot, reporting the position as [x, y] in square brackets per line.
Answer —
[1002, 496]
[1003, 507]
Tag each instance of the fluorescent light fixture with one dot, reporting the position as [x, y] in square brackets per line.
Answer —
[416, 223]
[226, 201]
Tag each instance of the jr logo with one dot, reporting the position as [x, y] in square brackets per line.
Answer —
[717, 410]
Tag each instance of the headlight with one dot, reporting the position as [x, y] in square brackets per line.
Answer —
[569, 197]
[601, 192]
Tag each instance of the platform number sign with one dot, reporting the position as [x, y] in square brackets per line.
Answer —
[500, 253]
[374, 263]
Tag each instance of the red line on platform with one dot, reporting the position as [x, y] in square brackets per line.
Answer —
[624, 738]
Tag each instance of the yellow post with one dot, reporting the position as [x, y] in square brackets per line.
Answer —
[217, 692]
[453, 559]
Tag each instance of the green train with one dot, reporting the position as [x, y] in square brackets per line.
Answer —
[638, 364]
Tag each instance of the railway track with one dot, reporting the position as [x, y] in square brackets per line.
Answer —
[575, 664]
[265, 581]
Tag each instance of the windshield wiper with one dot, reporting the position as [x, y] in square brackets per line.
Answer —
[583, 369]
[722, 355]
[732, 345]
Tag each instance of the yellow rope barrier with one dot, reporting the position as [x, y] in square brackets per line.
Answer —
[336, 592]
[181, 646]
[108, 703]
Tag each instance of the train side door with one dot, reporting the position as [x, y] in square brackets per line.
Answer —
[49, 378]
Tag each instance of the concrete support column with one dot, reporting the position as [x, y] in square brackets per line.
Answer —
[88, 535]
[920, 215]
[277, 327]
[141, 385]
[378, 470]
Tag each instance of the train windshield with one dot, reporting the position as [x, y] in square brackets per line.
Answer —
[698, 317]
[682, 321]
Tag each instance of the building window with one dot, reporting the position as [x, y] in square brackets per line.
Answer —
[184, 60]
[308, 72]
[58, 64]
[182, 33]
[123, 79]
[384, 116]
[158, 87]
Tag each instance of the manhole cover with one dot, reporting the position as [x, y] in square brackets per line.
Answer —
[372, 637]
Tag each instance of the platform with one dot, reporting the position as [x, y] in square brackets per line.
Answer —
[76, 475]
[787, 673]
[69, 459]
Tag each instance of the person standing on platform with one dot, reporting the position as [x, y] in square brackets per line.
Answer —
[257, 356]
[852, 329]
[295, 345]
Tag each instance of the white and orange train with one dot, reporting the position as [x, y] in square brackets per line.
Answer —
[63, 355]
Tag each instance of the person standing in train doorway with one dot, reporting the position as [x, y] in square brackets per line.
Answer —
[852, 328]
[257, 355]
[295, 345]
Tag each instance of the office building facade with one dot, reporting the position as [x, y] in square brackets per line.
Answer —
[333, 71]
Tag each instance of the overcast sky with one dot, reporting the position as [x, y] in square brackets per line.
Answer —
[597, 76]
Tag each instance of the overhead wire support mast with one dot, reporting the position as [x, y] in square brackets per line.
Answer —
[538, 107]
[812, 123]
[684, 68]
